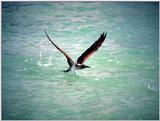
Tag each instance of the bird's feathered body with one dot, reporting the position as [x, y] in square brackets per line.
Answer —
[78, 65]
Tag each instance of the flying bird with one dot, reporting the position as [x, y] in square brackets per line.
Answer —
[79, 64]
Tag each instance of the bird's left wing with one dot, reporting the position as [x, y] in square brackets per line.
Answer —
[69, 60]
[94, 47]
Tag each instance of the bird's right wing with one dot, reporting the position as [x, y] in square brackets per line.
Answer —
[69, 60]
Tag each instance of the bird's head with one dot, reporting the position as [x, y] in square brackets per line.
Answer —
[85, 66]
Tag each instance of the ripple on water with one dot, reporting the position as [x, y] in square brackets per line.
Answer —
[151, 87]
[122, 82]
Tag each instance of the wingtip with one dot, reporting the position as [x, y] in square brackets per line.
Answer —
[104, 34]
[45, 31]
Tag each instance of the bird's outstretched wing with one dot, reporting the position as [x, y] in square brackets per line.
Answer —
[94, 47]
[69, 60]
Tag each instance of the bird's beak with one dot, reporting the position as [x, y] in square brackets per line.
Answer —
[87, 66]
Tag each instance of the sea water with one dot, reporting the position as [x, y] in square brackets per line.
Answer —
[122, 82]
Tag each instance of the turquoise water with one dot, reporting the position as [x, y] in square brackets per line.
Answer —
[122, 82]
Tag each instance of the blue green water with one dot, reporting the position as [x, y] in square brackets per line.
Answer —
[122, 82]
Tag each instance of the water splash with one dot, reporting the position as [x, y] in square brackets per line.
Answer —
[41, 63]
[150, 87]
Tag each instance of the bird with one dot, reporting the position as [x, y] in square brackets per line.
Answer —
[79, 64]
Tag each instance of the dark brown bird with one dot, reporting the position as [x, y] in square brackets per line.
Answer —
[79, 64]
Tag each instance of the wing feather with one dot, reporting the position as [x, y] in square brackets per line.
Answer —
[94, 47]
[69, 60]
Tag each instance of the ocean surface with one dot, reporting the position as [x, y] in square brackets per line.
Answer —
[123, 81]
